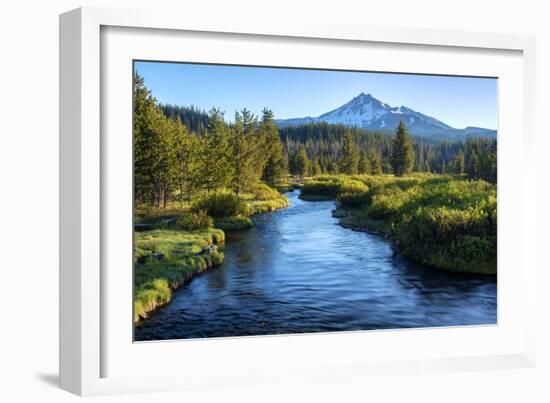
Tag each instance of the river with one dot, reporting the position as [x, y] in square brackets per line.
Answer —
[298, 271]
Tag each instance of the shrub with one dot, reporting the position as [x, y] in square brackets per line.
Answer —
[268, 205]
[353, 194]
[329, 188]
[352, 186]
[355, 200]
[452, 239]
[234, 223]
[332, 186]
[387, 204]
[222, 204]
[439, 220]
[217, 258]
[194, 221]
[218, 236]
[262, 191]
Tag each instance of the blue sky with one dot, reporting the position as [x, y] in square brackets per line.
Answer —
[290, 93]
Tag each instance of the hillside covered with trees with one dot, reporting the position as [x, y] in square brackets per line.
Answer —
[323, 148]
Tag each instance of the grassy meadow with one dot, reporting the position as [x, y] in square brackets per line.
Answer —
[444, 221]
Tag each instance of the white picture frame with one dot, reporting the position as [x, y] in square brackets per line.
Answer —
[89, 339]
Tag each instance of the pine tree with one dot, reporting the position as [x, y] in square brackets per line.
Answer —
[402, 157]
[242, 155]
[153, 155]
[144, 157]
[315, 169]
[333, 167]
[374, 162]
[472, 165]
[215, 168]
[301, 162]
[185, 156]
[364, 163]
[274, 168]
[459, 163]
[350, 155]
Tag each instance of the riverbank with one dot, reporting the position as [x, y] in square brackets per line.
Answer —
[174, 244]
[441, 221]
[165, 259]
[354, 220]
[297, 271]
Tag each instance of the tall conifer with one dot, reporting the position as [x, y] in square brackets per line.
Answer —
[402, 157]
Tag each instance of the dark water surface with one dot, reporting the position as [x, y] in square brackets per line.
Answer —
[298, 271]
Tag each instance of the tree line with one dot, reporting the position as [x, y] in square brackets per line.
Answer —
[323, 148]
[182, 151]
[172, 162]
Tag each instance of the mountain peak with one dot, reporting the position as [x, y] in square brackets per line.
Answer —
[365, 96]
[367, 112]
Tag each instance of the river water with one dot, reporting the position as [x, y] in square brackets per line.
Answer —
[297, 271]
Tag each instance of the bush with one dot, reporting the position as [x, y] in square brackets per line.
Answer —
[222, 204]
[194, 221]
[332, 186]
[452, 239]
[268, 205]
[439, 220]
[329, 188]
[217, 258]
[387, 204]
[354, 200]
[262, 191]
[234, 223]
[352, 186]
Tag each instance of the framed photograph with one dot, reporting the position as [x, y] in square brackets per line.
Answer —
[244, 203]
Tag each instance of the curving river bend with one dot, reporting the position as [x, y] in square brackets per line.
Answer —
[298, 271]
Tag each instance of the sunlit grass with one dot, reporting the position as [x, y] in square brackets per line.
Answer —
[154, 279]
[443, 221]
[170, 249]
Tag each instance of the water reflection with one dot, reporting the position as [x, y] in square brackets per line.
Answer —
[298, 271]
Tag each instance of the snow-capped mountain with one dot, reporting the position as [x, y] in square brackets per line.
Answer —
[365, 111]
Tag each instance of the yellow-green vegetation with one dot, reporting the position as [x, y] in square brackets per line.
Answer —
[233, 223]
[443, 221]
[263, 198]
[289, 184]
[165, 259]
[231, 211]
[329, 187]
[227, 209]
[194, 221]
[175, 243]
[221, 204]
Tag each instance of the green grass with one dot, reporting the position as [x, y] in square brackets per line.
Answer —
[262, 206]
[233, 223]
[442, 221]
[181, 239]
[222, 204]
[154, 280]
[289, 184]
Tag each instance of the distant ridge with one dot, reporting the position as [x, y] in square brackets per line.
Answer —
[366, 112]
